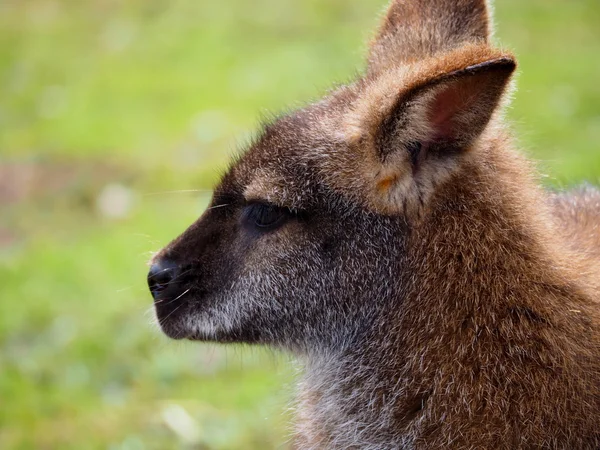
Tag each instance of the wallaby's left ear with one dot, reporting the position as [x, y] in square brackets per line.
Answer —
[413, 124]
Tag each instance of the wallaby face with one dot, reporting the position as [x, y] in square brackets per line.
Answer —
[279, 257]
[391, 235]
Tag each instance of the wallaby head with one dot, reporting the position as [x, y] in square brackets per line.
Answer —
[306, 231]
[391, 235]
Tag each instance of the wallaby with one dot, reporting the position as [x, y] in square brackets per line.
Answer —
[392, 237]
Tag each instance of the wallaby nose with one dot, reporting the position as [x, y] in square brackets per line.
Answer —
[161, 274]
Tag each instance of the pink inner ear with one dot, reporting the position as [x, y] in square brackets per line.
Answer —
[448, 104]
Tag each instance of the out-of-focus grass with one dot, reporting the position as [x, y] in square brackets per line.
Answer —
[148, 97]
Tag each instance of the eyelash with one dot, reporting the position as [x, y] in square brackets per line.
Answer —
[265, 216]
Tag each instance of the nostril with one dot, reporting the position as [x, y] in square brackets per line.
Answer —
[160, 275]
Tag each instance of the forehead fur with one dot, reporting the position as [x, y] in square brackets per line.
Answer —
[283, 166]
[327, 148]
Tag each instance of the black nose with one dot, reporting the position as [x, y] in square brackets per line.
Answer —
[161, 274]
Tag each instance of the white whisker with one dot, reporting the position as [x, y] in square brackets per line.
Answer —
[170, 314]
[124, 289]
[184, 292]
[218, 206]
[180, 191]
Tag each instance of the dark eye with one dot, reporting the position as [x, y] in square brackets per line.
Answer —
[265, 216]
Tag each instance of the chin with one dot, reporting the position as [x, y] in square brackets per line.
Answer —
[172, 330]
[204, 325]
[172, 322]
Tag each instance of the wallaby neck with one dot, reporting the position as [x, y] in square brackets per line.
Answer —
[483, 298]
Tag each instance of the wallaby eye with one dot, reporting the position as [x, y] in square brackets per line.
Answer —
[265, 216]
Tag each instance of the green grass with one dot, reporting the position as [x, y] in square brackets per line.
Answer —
[154, 96]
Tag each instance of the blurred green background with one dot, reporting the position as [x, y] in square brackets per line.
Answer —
[116, 118]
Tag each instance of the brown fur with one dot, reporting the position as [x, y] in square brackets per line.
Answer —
[392, 237]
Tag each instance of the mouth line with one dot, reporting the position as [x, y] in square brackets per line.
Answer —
[190, 316]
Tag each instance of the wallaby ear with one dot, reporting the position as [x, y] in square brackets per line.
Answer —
[452, 109]
[413, 134]
[417, 29]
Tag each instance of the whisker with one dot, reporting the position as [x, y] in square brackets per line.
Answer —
[181, 295]
[170, 314]
[176, 298]
[179, 275]
[179, 191]
[125, 288]
[218, 206]
[150, 311]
